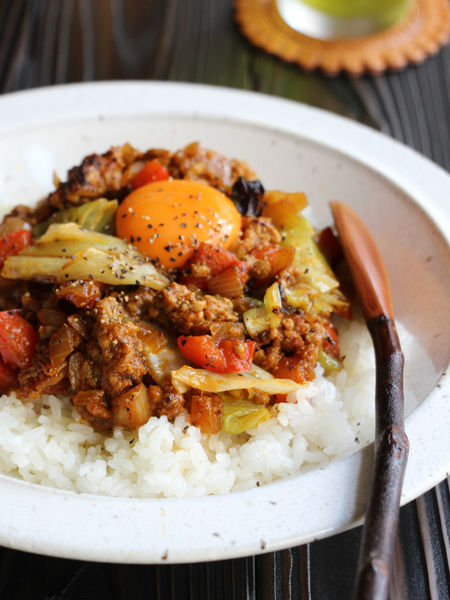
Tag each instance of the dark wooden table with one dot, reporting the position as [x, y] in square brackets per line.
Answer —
[45, 42]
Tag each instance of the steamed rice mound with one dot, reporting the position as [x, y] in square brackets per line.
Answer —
[44, 441]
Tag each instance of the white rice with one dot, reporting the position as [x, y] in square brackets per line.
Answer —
[44, 442]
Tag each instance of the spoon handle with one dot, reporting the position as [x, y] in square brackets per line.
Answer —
[391, 444]
[390, 457]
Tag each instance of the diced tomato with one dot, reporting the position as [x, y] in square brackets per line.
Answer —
[331, 343]
[279, 259]
[152, 171]
[206, 413]
[330, 246]
[237, 359]
[217, 259]
[13, 243]
[18, 340]
[290, 367]
[227, 356]
[7, 378]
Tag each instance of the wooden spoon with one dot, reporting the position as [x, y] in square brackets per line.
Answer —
[391, 444]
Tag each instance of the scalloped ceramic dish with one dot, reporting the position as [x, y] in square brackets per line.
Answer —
[402, 197]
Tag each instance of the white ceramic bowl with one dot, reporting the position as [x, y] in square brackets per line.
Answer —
[402, 197]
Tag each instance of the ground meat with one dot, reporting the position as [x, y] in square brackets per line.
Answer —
[137, 303]
[95, 333]
[93, 408]
[123, 359]
[298, 335]
[165, 401]
[227, 331]
[256, 232]
[199, 164]
[300, 330]
[191, 313]
[289, 276]
[258, 397]
[98, 175]
[268, 356]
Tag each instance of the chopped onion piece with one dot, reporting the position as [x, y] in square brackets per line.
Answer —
[273, 304]
[132, 408]
[228, 283]
[62, 343]
[97, 265]
[32, 267]
[162, 359]
[260, 372]
[201, 379]
[256, 321]
[89, 265]
[72, 231]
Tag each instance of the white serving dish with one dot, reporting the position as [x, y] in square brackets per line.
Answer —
[402, 197]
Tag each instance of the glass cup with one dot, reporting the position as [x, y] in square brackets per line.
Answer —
[333, 19]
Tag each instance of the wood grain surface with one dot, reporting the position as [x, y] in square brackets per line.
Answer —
[45, 42]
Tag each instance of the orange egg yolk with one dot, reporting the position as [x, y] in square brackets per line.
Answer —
[166, 220]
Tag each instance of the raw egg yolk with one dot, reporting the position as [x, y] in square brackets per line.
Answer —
[167, 220]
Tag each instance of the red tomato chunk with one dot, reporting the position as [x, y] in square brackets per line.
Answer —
[152, 171]
[228, 356]
[17, 340]
[217, 260]
[206, 413]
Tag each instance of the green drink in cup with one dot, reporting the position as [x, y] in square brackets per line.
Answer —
[331, 19]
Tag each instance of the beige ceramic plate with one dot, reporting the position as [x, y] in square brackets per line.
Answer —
[402, 197]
